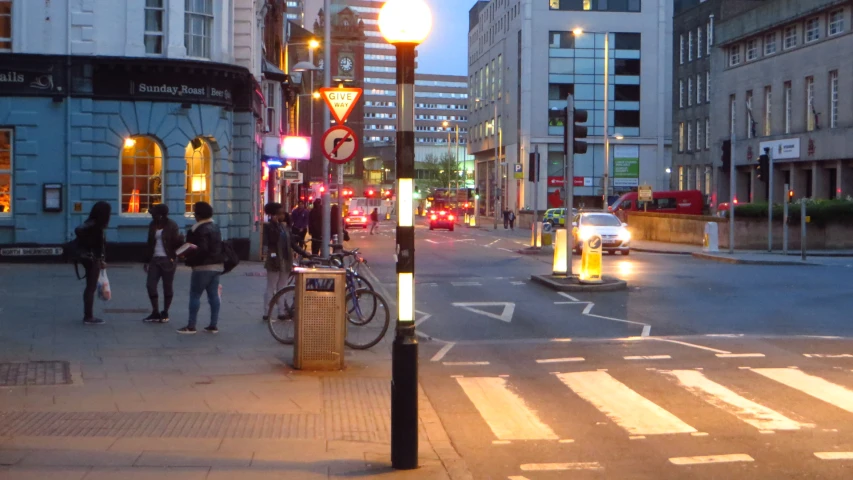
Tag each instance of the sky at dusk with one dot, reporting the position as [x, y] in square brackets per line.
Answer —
[446, 49]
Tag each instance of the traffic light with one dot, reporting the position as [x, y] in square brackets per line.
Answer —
[790, 195]
[370, 193]
[533, 167]
[762, 172]
[726, 157]
[388, 193]
[417, 193]
[477, 193]
[579, 132]
[470, 194]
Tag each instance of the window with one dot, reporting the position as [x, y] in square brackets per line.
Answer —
[699, 42]
[690, 46]
[833, 99]
[750, 120]
[812, 29]
[788, 107]
[768, 93]
[141, 175]
[811, 115]
[770, 44]
[698, 135]
[561, 40]
[198, 27]
[751, 50]
[199, 159]
[709, 33]
[681, 49]
[707, 180]
[628, 41]
[154, 13]
[790, 37]
[690, 91]
[680, 178]
[681, 94]
[734, 55]
[698, 89]
[626, 67]
[835, 26]
[681, 137]
[499, 74]
[5, 25]
[708, 87]
[707, 133]
[596, 5]
[698, 185]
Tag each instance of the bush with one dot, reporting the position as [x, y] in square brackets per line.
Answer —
[822, 212]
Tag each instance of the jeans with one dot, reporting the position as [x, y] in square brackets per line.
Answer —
[200, 282]
[275, 282]
[93, 271]
[160, 267]
[373, 226]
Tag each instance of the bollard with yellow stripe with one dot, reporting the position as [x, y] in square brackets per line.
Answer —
[591, 260]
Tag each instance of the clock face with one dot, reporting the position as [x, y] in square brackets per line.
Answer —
[346, 64]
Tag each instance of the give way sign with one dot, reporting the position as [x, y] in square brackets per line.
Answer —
[341, 101]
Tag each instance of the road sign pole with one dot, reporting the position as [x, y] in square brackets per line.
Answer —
[769, 201]
[785, 221]
[568, 179]
[327, 121]
[537, 242]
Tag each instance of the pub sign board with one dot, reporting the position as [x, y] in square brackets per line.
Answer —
[31, 75]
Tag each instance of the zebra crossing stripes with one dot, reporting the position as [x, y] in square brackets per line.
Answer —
[758, 416]
[503, 410]
[811, 385]
[627, 408]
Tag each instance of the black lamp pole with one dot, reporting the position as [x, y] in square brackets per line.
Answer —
[404, 356]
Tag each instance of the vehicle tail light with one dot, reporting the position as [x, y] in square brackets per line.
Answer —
[363, 219]
[450, 217]
[432, 217]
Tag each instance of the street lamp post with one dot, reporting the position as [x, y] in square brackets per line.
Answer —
[405, 24]
[327, 122]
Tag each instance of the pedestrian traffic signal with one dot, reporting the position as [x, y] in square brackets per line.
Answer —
[477, 193]
[762, 171]
[579, 132]
[726, 157]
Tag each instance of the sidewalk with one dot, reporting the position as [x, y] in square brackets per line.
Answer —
[134, 400]
[765, 258]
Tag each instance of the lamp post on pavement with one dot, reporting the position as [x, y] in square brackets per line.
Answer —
[405, 24]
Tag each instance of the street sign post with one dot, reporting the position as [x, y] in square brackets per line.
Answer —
[341, 101]
[645, 195]
[339, 144]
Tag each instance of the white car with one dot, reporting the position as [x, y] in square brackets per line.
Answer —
[615, 236]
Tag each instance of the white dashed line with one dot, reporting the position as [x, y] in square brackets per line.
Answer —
[834, 455]
[734, 457]
[555, 467]
[441, 353]
[560, 360]
[740, 355]
[647, 357]
[464, 364]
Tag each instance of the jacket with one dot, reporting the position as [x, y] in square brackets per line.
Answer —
[299, 218]
[91, 240]
[374, 216]
[206, 237]
[280, 241]
[315, 222]
[172, 239]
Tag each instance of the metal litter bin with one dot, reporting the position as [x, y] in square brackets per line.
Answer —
[320, 319]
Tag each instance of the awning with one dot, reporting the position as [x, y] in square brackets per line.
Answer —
[271, 72]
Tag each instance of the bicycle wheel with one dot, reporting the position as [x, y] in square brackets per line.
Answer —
[368, 328]
[283, 329]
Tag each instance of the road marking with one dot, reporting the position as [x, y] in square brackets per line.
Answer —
[555, 467]
[627, 408]
[464, 364]
[827, 355]
[809, 384]
[560, 360]
[740, 355]
[679, 342]
[424, 318]
[564, 340]
[564, 294]
[734, 457]
[506, 250]
[505, 316]
[518, 283]
[647, 329]
[699, 434]
[501, 442]
[724, 335]
[504, 411]
[759, 416]
[637, 437]
[466, 284]
[647, 357]
[516, 477]
[834, 455]
[496, 241]
[431, 241]
[428, 284]
[441, 353]
[566, 440]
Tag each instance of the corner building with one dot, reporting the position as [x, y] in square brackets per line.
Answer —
[133, 103]
[524, 60]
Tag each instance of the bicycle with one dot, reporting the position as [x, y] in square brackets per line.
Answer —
[363, 306]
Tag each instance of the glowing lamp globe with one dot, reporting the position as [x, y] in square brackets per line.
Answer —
[405, 21]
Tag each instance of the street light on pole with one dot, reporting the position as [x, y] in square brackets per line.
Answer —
[405, 24]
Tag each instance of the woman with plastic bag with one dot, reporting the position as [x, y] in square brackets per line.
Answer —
[91, 246]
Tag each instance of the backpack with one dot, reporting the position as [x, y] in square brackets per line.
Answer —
[231, 258]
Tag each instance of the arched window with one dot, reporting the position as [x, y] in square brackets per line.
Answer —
[198, 157]
[141, 179]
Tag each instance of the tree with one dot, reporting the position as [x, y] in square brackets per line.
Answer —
[445, 170]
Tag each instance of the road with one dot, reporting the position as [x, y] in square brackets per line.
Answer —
[745, 371]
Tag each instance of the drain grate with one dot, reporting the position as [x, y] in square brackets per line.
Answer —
[34, 373]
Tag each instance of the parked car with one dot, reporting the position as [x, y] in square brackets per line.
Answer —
[684, 202]
[557, 216]
[615, 236]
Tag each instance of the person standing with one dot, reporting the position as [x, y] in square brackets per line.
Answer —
[374, 220]
[315, 226]
[207, 261]
[164, 238]
[299, 218]
[505, 214]
[281, 245]
[511, 220]
[91, 251]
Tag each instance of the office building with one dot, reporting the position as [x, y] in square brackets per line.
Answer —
[524, 60]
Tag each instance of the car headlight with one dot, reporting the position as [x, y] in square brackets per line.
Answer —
[624, 235]
[585, 233]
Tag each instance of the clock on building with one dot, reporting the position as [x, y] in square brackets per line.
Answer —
[346, 64]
